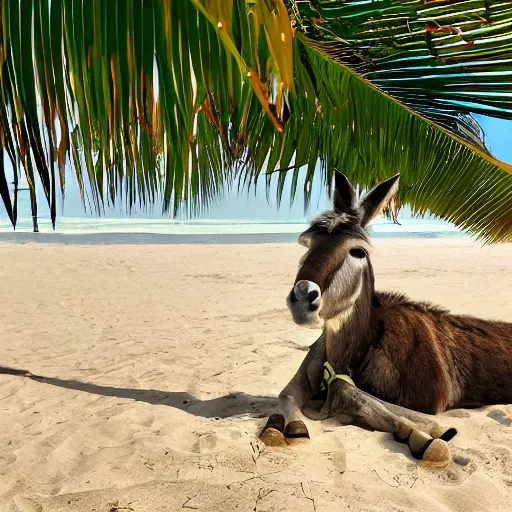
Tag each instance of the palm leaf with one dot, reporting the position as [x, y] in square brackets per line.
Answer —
[165, 100]
[445, 59]
[381, 136]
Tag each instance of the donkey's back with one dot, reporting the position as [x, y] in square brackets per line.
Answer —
[427, 359]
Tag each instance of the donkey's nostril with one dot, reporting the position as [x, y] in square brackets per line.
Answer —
[313, 307]
[312, 295]
[292, 296]
[302, 286]
[306, 291]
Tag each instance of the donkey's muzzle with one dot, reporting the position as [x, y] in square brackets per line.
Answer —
[304, 301]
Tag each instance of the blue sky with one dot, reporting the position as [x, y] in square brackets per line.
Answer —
[255, 206]
[498, 136]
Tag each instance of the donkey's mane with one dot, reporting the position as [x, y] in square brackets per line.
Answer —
[333, 221]
[393, 299]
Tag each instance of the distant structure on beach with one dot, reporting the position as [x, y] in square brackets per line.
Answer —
[23, 186]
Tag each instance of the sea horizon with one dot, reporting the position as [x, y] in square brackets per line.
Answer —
[236, 215]
[129, 230]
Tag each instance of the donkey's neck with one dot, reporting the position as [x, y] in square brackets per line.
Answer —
[349, 334]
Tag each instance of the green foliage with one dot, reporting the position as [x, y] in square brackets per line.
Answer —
[444, 58]
[174, 99]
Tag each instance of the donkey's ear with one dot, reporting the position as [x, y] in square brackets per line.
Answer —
[377, 198]
[344, 197]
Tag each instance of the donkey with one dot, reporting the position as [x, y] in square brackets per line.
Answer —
[382, 360]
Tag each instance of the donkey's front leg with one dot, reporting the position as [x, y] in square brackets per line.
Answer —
[425, 422]
[286, 426]
[347, 400]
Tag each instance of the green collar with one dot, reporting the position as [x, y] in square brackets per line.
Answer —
[330, 375]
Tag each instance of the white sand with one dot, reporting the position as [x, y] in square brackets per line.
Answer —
[127, 334]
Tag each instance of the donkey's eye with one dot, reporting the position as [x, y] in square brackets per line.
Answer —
[357, 253]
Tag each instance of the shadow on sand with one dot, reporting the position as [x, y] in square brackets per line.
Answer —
[234, 404]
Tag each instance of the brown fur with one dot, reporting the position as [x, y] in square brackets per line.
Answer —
[440, 360]
[408, 353]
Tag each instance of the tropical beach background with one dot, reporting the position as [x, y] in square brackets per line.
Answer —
[252, 211]
[142, 350]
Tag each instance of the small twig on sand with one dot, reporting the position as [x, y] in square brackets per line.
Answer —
[189, 506]
[310, 498]
[260, 497]
[387, 483]
[114, 507]
[257, 499]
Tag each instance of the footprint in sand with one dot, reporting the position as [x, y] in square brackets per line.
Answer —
[458, 471]
[324, 456]
[466, 462]
[205, 443]
[500, 416]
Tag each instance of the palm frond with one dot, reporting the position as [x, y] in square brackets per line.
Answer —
[445, 59]
[369, 135]
[160, 99]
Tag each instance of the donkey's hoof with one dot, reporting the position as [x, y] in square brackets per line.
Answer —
[276, 421]
[272, 437]
[296, 432]
[419, 442]
[437, 455]
[272, 433]
[403, 429]
[446, 434]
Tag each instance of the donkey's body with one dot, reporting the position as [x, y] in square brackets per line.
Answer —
[405, 358]
[424, 358]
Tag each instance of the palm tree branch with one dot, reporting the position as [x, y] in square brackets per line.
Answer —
[162, 101]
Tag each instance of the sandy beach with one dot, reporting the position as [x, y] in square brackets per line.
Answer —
[162, 362]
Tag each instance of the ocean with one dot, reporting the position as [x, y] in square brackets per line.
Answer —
[237, 215]
[381, 227]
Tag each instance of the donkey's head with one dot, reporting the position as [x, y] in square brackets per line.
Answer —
[336, 270]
